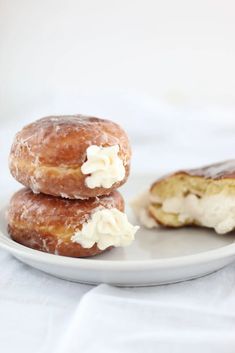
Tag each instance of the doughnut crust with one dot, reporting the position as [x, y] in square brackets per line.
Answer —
[47, 155]
[46, 223]
[203, 196]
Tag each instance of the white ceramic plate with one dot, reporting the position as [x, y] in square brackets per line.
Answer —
[156, 257]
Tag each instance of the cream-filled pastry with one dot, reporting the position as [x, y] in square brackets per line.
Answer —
[76, 228]
[203, 197]
[74, 156]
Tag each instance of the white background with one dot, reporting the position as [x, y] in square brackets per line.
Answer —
[62, 55]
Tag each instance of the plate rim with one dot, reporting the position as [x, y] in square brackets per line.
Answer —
[86, 263]
[20, 250]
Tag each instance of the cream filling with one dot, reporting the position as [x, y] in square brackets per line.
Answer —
[140, 207]
[215, 211]
[104, 166]
[106, 227]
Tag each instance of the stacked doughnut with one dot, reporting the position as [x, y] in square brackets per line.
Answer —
[71, 167]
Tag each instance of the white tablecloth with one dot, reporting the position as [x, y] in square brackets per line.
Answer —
[43, 314]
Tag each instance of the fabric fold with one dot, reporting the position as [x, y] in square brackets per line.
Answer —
[187, 317]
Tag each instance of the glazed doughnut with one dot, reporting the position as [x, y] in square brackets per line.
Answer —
[203, 197]
[76, 228]
[71, 156]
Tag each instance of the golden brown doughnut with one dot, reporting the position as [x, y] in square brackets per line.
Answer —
[203, 196]
[48, 155]
[47, 223]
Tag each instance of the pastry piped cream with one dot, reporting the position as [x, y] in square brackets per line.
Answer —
[140, 207]
[104, 166]
[213, 211]
[106, 227]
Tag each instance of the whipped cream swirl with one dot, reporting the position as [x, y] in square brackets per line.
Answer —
[104, 166]
[106, 227]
